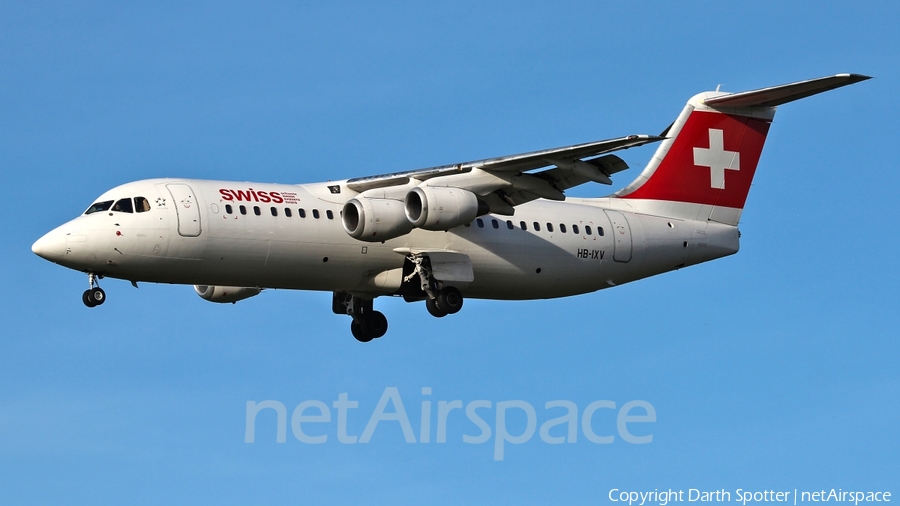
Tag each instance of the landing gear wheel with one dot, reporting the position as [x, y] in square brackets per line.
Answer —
[97, 295]
[450, 299]
[434, 309]
[93, 296]
[367, 323]
[359, 332]
[377, 325]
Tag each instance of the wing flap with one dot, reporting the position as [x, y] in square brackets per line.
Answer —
[505, 182]
[506, 164]
[537, 159]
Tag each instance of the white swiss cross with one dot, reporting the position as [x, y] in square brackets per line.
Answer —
[717, 159]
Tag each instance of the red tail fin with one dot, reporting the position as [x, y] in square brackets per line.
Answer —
[704, 170]
[711, 161]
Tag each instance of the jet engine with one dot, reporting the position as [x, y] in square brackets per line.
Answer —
[374, 219]
[439, 208]
[225, 293]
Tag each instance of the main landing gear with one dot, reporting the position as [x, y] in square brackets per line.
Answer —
[448, 300]
[367, 323]
[418, 283]
[93, 296]
[440, 300]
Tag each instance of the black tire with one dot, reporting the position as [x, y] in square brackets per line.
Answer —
[450, 299]
[434, 309]
[359, 332]
[97, 295]
[86, 298]
[377, 325]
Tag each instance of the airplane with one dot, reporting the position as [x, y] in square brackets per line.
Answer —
[500, 228]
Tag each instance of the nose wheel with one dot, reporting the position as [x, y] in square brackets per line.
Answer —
[93, 296]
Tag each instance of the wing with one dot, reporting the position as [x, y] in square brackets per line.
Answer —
[506, 182]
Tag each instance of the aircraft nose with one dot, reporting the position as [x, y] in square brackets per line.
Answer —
[52, 245]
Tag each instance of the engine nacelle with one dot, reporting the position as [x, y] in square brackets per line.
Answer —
[374, 220]
[439, 208]
[225, 293]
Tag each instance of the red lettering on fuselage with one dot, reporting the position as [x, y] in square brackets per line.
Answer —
[250, 194]
[242, 195]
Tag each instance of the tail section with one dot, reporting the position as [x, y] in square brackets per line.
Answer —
[703, 170]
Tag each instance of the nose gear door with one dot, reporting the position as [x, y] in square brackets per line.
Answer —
[187, 209]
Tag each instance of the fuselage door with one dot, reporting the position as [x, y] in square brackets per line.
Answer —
[622, 236]
[187, 209]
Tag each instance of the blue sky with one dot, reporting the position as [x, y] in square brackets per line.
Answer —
[772, 369]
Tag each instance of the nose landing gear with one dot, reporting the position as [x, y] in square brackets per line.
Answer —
[93, 296]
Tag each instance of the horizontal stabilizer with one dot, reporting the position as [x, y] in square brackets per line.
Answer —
[704, 169]
[777, 95]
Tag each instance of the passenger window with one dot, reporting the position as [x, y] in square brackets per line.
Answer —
[302, 212]
[256, 210]
[141, 204]
[243, 210]
[316, 214]
[587, 229]
[495, 224]
[229, 209]
[509, 225]
[99, 206]
[562, 228]
[329, 214]
[599, 230]
[574, 229]
[274, 211]
[480, 223]
[123, 206]
[549, 227]
[287, 212]
[537, 227]
[523, 225]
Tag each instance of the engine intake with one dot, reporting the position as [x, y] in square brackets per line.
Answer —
[374, 219]
[439, 208]
[224, 294]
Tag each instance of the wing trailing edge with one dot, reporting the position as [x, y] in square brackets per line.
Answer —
[579, 162]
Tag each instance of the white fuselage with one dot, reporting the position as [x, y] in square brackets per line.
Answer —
[195, 240]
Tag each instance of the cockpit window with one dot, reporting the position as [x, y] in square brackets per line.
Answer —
[99, 206]
[141, 204]
[123, 206]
